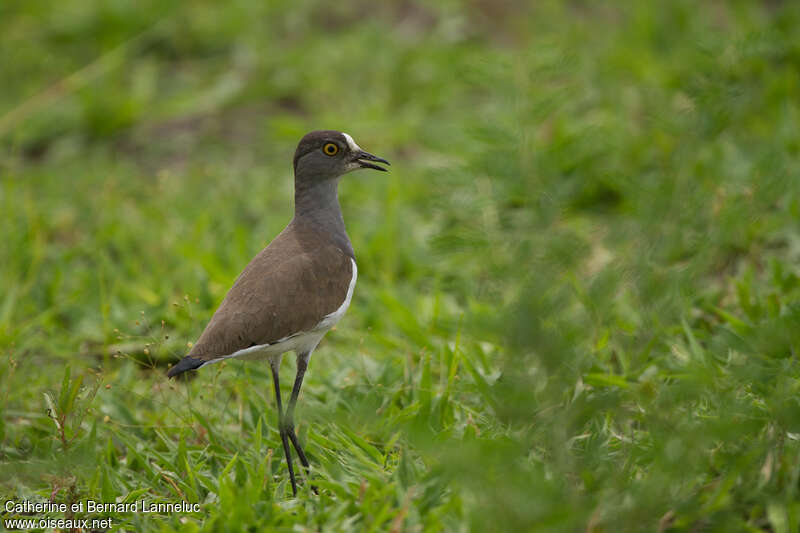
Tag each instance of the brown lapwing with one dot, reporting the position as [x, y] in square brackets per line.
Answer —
[296, 288]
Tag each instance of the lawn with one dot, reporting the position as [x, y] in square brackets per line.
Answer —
[578, 304]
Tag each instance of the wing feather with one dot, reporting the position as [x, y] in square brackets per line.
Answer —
[286, 289]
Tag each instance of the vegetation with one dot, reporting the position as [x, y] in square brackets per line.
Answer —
[578, 305]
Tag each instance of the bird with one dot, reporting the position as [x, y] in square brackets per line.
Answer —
[298, 287]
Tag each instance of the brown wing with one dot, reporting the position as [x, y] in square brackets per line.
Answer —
[287, 288]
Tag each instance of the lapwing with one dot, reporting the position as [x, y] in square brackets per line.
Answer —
[297, 287]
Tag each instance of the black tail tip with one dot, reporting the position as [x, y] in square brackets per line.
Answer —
[187, 363]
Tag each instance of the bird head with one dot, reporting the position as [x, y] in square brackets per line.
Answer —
[328, 154]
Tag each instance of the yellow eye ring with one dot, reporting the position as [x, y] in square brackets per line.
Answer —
[330, 149]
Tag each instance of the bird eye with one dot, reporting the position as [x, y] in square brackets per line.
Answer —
[330, 149]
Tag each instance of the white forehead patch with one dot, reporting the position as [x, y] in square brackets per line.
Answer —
[351, 143]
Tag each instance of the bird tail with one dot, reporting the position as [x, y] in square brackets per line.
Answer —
[187, 363]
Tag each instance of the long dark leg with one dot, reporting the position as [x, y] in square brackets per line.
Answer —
[302, 364]
[275, 365]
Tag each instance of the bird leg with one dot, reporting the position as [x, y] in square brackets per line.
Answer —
[274, 365]
[302, 364]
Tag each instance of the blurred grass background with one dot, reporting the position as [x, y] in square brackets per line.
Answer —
[578, 305]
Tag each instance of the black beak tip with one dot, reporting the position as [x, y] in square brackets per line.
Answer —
[364, 164]
[365, 160]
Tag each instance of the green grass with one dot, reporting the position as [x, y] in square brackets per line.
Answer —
[578, 305]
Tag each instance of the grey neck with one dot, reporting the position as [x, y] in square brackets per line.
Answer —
[317, 204]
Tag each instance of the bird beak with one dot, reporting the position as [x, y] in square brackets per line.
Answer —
[360, 157]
